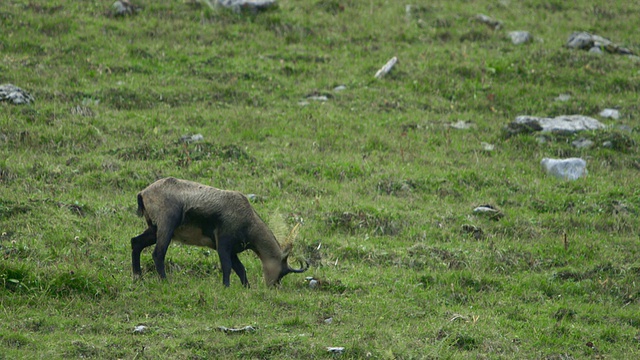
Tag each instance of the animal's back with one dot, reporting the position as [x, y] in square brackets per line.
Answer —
[192, 198]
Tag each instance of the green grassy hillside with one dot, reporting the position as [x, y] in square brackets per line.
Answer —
[384, 187]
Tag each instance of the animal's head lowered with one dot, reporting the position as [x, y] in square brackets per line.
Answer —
[274, 273]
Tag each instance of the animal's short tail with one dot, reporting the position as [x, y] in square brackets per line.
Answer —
[140, 206]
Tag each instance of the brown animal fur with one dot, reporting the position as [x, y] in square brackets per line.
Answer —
[196, 214]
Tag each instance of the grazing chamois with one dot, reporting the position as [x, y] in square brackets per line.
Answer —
[196, 214]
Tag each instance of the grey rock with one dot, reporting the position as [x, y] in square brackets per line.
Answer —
[321, 98]
[488, 211]
[253, 6]
[384, 70]
[586, 41]
[489, 21]
[227, 330]
[463, 125]
[15, 95]
[563, 97]
[140, 329]
[339, 88]
[610, 113]
[192, 138]
[580, 40]
[124, 8]
[487, 146]
[520, 37]
[560, 124]
[596, 50]
[565, 169]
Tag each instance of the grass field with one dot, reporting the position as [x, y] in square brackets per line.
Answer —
[384, 187]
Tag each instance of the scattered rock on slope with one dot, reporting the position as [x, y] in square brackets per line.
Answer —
[565, 169]
[15, 95]
[560, 124]
[253, 6]
[595, 43]
[520, 37]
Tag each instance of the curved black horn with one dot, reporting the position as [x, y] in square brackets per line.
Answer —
[305, 266]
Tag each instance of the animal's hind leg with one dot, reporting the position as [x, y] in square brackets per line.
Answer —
[239, 269]
[138, 243]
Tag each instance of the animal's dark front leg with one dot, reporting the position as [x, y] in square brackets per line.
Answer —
[225, 264]
[164, 235]
[138, 243]
[239, 269]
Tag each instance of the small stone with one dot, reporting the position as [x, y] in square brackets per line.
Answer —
[566, 169]
[489, 211]
[321, 98]
[487, 147]
[15, 95]
[610, 113]
[313, 283]
[339, 88]
[386, 68]
[140, 329]
[520, 37]
[227, 330]
[563, 97]
[463, 125]
[253, 6]
[123, 8]
[489, 21]
[335, 350]
[328, 320]
[192, 138]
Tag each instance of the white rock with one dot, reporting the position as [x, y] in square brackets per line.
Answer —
[463, 125]
[610, 113]
[563, 124]
[192, 138]
[386, 68]
[495, 24]
[336, 350]
[15, 95]
[140, 329]
[321, 98]
[520, 37]
[487, 147]
[252, 5]
[566, 169]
